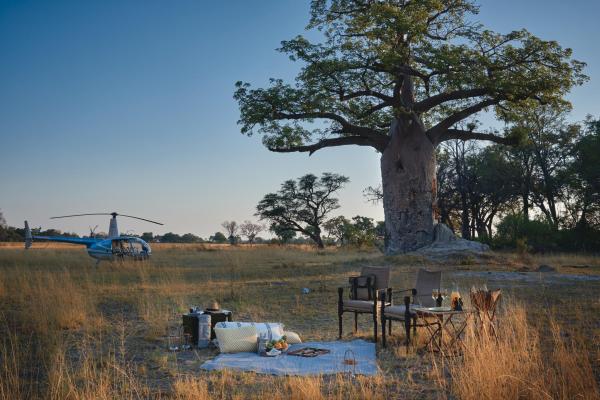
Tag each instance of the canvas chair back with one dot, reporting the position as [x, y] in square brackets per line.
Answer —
[380, 279]
[427, 281]
[381, 274]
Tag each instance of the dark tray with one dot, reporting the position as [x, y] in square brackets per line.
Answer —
[308, 352]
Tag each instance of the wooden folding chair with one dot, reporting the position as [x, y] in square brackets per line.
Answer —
[485, 302]
[425, 283]
[364, 296]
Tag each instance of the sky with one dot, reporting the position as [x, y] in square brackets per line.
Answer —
[127, 106]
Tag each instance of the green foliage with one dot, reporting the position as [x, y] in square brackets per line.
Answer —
[360, 231]
[515, 231]
[382, 60]
[480, 182]
[337, 228]
[283, 233]
[302, 205]
[147, 236]
[10, 234]
[218, 237]
[171, 237]
[585, 177]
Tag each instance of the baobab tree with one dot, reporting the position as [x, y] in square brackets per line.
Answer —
[403, 76]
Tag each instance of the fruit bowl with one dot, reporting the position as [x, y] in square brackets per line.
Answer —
[280, 345]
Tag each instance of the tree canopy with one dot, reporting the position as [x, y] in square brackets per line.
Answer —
[302, 205]
[424, 60]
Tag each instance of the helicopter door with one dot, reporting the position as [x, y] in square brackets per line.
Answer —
[136, 248]
[119, 248]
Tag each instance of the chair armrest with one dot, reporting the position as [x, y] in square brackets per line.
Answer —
[412, 290]
[413, 293]
[388, 292]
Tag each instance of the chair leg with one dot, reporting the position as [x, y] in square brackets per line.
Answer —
[340, 310]
[407, 330]
[375, 327]
[355, 322]
[340, 325]
[407, 318]
[383, 331]
[389, 327]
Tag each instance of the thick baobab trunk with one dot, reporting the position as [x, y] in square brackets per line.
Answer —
[409, 187]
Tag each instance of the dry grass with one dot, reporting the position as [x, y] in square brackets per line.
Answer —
[71, 331]
[520, 364]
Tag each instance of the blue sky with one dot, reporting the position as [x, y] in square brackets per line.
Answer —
[127, 106]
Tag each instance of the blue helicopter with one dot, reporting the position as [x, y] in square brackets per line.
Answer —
[112, 248]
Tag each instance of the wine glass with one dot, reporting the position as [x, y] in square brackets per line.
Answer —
[434, 294]
[444, 294]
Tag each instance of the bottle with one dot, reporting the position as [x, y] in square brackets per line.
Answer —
[455, 301]
[204, 330]
[263, 339]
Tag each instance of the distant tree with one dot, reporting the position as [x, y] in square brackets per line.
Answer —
[363, 231]
[250, 230]
[492, 188]
[190, 238]
[218, 237]
[53, 232]
[373, 194]
[170, 237]
[8, 233]
[359, 231]
[338, 229]
[447, 207]
[457, 157]
[584, 183]
[400, 76]
[303, 205]
[147, 236]
[476, 185]
[284, 233]
[231, 227]
[544, 154]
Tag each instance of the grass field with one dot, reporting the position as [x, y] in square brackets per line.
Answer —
[70, 330]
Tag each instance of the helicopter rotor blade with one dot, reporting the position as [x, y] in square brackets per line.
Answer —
[113, 214]
[79, 215]
[143, 219]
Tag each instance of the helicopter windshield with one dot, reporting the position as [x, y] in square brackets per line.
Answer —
[129, 247]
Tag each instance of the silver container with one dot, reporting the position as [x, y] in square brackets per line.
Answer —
[204, 329]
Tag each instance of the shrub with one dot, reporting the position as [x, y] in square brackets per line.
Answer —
[514, 231]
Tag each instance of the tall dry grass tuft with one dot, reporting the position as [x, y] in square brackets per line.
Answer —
[49, 301]
[191, 389]
[37, 311]
[521, 364]
[227, 385]
[96, 375]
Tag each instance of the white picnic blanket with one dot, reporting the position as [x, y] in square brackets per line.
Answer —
[331, 363]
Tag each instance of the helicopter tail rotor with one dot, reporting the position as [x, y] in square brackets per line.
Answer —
[28, 236]
[93, 231]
